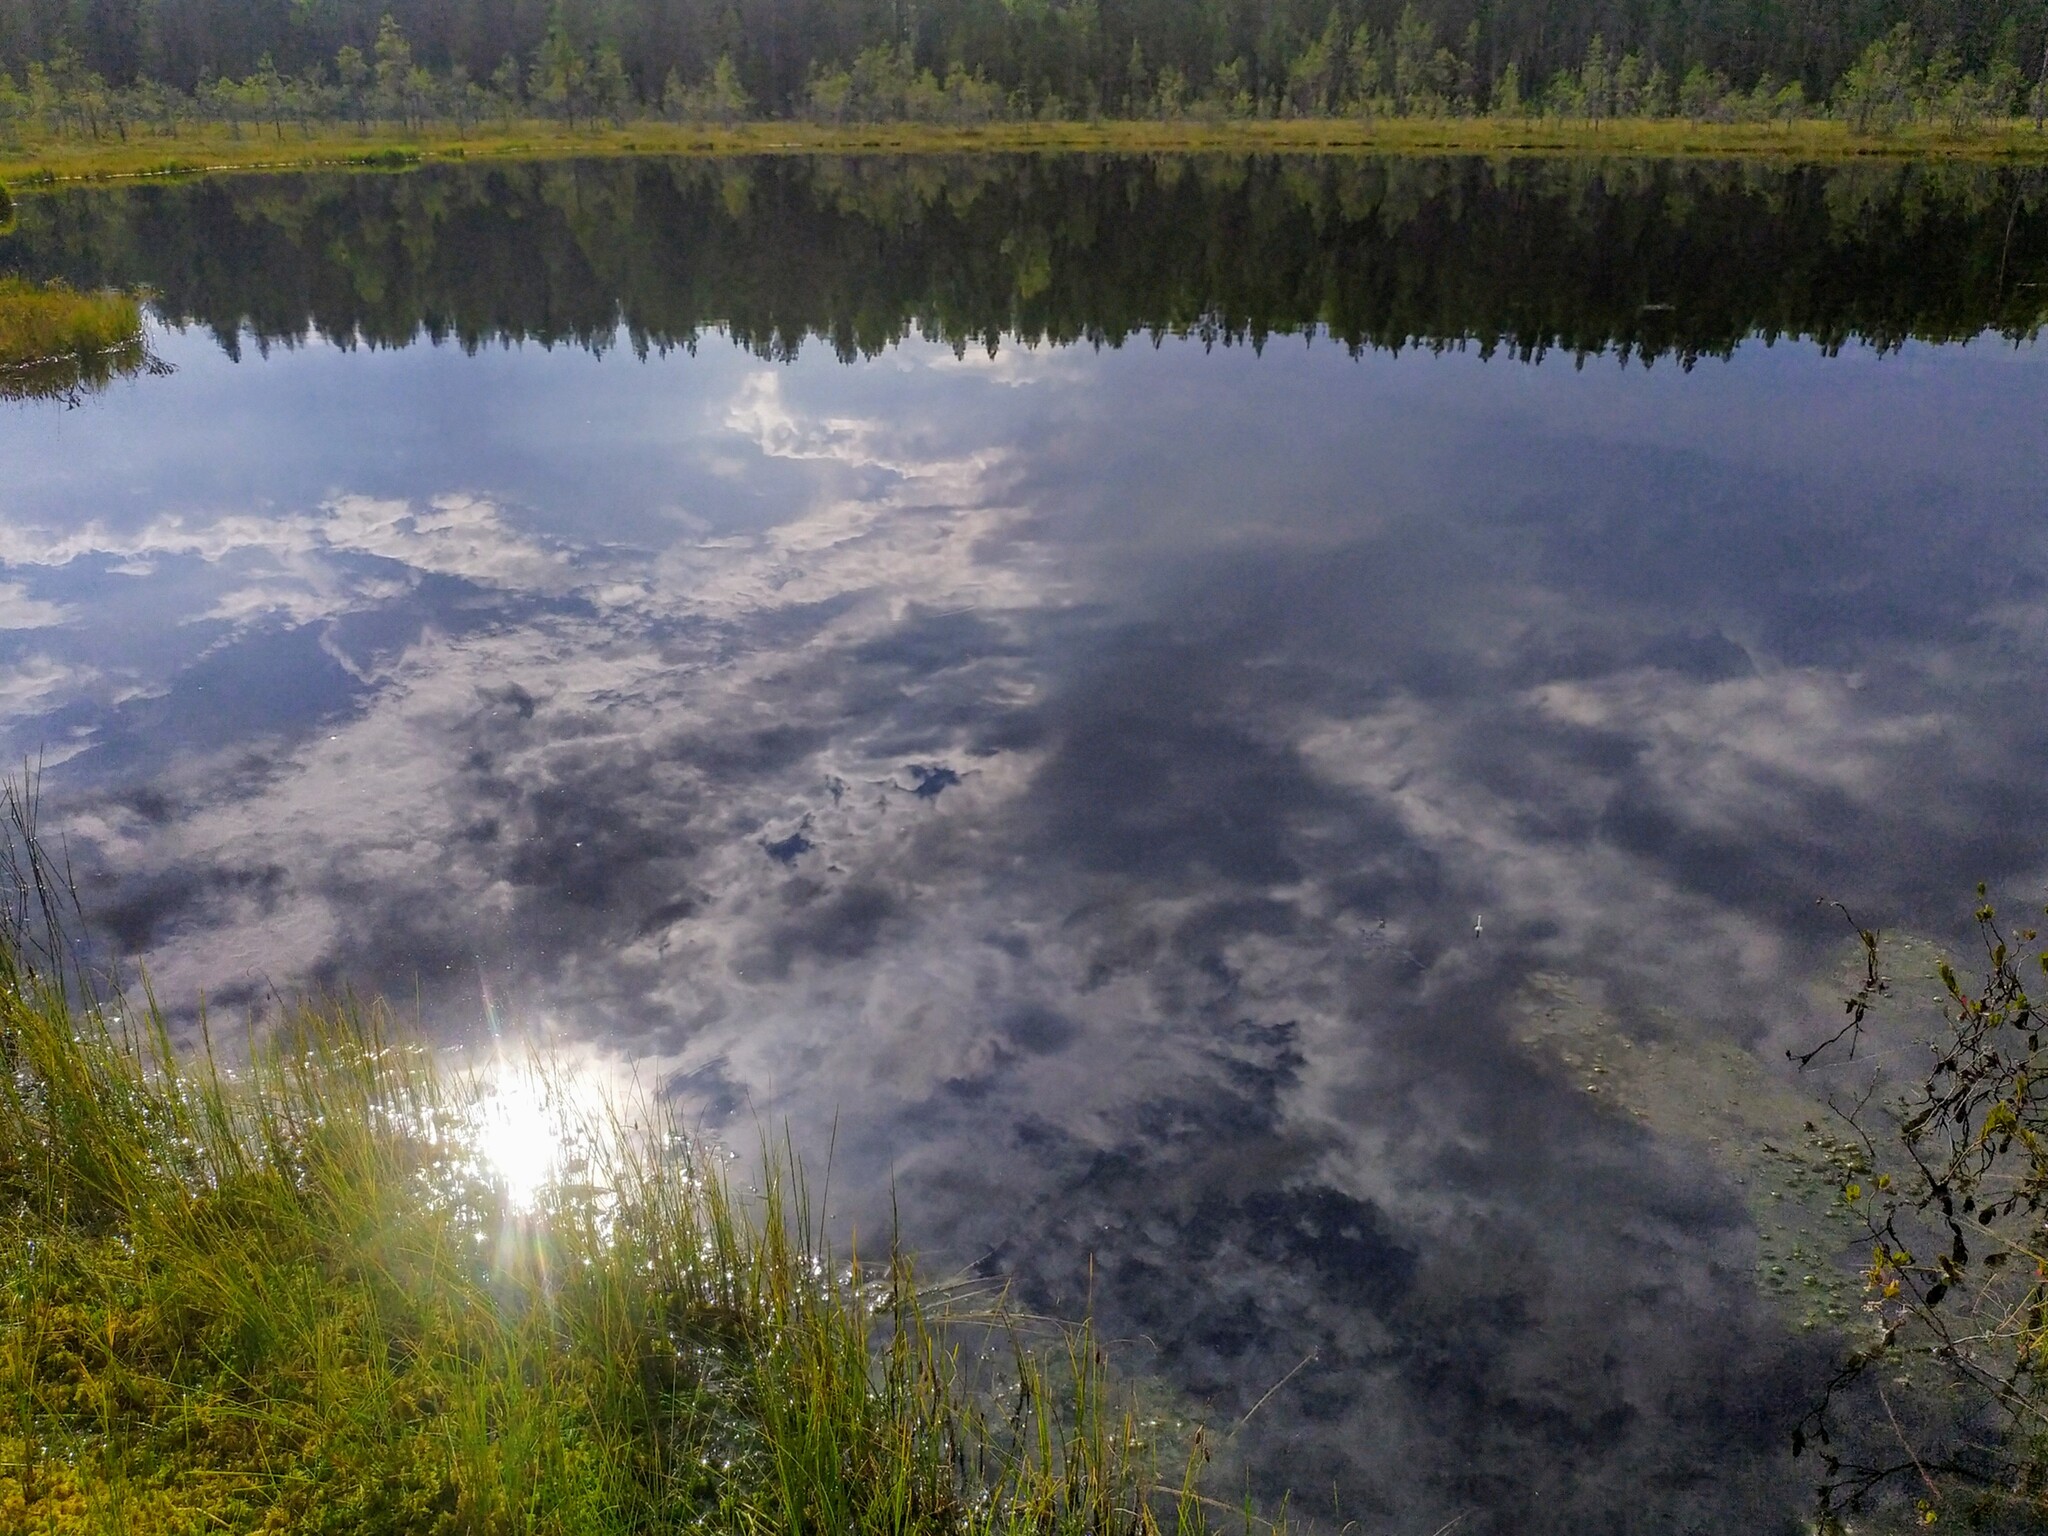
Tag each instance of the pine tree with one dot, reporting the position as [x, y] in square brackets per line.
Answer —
[394, 70]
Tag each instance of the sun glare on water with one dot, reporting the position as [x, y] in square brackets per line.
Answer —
[533, 1127]
[516, 1137]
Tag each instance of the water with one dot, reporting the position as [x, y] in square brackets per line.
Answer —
[1212, 721]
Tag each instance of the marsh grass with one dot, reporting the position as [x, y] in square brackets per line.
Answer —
[47, 320]
[291, 1296]
[56, 342]
[42, 164]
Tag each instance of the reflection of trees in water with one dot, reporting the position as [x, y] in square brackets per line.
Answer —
[1637, 258]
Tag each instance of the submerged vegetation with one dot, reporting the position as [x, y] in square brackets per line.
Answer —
[300, 1296]
[1945, 1172]
[56, 341]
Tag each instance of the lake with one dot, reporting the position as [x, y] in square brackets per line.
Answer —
[1252, 742]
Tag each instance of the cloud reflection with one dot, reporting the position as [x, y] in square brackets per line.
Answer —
[1084, 800]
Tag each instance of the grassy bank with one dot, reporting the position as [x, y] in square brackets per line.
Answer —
[42, 321]
[56, 341]
[301, 1297]
[60, 160]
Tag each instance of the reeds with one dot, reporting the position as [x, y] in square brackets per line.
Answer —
[291, 1296]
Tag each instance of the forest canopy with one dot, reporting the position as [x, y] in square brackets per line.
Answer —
[1051, 58]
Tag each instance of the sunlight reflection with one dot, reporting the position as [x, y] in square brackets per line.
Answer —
[537, 1124]
[517, 1138]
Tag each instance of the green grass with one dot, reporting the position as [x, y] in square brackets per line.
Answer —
[55, 341]
[293, 1297]
[40, 321]
[50, 162]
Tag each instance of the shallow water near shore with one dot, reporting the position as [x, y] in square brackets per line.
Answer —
[1254, 743]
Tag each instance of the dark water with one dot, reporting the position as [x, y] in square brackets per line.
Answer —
[1051, 662]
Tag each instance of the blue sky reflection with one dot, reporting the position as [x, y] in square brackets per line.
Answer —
[1078, 771]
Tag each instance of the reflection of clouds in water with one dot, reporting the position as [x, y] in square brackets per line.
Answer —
[457, 536]
[1013, 365]
[911, 534]
[701, 678]
[760, 413]
[1722, 751]
[18, 610]
[1547, 845]
[34, 682]
[1111, 911]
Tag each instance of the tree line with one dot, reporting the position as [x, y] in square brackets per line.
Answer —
[1625, 258]
[112, 67]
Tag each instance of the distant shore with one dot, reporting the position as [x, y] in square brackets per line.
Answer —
[54, 162]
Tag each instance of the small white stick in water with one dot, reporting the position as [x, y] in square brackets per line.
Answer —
[1479, 924]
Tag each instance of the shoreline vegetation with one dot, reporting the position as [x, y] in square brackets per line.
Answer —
[56, 162]
[1332, 79]
[56, 342]
[298, 1295]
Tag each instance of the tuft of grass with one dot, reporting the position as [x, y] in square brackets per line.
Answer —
[293, 1296]
[41, 321]
[56, 341]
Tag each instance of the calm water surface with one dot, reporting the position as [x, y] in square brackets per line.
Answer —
[1198, 709]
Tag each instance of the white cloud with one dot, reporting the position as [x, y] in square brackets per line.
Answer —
[454, 535]
[1728, 754]
[36, 682]
[1014, 364]
[18, 610]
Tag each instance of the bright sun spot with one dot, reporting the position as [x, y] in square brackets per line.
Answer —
[519, 1135]
[532, 1125]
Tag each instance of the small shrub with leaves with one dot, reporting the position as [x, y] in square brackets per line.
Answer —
[1950, 1374]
